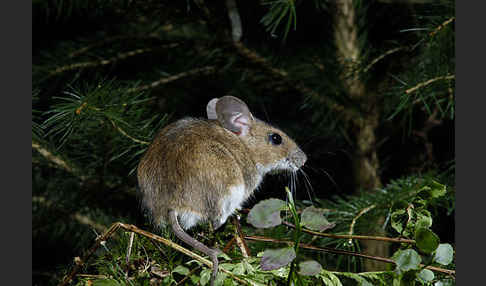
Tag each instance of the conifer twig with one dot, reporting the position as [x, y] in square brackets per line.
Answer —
[382, 56]
[57, 160]
[359, 237]
[128, 136]
[80, 218]
[425, 83]
[204, 70]
[441, 26]
[117, 38]
[103, 62]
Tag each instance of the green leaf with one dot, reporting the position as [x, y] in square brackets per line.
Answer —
[330, 279]
[426, 275]
[309, 268]
[220, 278]
[205, 276]
[444, 254]
[313, 218]
[437, 189]
[239, 269]
[276, 258]
[398, 218]
[444, 282]
[181, 270]
[424, 219]
[427, 241]
[407, 259]
[266, 213]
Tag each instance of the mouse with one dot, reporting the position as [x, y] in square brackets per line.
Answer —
[202, 170]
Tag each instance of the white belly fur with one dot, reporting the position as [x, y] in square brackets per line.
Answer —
[232, 202]
[188, 219]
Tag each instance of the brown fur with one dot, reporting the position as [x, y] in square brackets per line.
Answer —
[192, 163]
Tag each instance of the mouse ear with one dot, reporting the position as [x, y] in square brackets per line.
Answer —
[211, 109]
[232, 113]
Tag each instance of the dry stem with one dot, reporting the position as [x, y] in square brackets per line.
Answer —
[345, 252]
[128, 136]
[441, 26]
[204, 70]
[362, 212]
[425, 83]
[58, 161]
[359, 237]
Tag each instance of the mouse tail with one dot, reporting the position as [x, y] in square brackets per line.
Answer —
[182, 235]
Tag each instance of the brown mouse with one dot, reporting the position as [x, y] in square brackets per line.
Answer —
[202, 170]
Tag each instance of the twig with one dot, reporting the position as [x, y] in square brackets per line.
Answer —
[345, 252]
[114, 227]
[85, 258]
[103, 62]
[234, 16]
[128, 136]
[441, 26]
[129, 252]
[203, 70]
[425, 83]
[239, 238]
[228, 246]
[362, 212]
[96, 276]
[87, 221]
[116, 38]
[82, 219]
[359, 237]
[58, 161]
[379, 58]
[188, 275]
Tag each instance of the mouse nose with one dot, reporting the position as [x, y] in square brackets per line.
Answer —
[298, 157]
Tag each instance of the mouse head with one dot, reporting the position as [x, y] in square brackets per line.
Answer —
[270, 147]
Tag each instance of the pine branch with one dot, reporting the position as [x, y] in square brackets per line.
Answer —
[426, 83]
[379, 58]
[57, 160]
[76, 216]
[204, 71]
[118, 38]
[441, 26]
[128, 136]
[103, 62]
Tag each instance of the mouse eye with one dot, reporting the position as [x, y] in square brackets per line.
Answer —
[275, 139]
